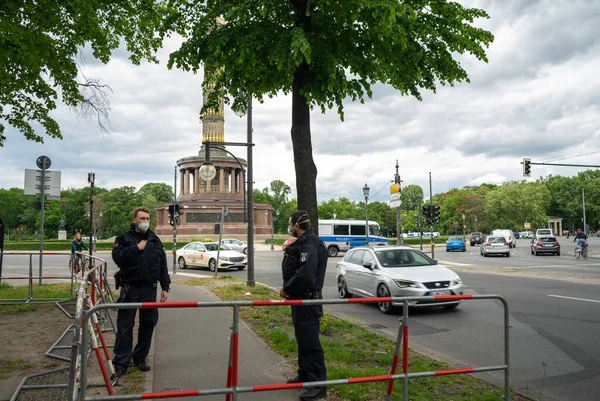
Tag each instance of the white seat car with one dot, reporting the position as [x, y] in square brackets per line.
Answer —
[396, 271]
[204, 254]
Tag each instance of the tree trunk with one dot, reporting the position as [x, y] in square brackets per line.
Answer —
[306, 171]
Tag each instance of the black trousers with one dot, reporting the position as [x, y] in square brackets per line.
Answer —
[137, 292]
[311, 360]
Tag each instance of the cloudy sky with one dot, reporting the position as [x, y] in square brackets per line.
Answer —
[537, 97]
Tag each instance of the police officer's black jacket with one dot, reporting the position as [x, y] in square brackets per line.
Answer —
[303, 267]
[149, 265]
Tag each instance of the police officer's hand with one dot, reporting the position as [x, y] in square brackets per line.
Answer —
[282, 293]
[163, 296]
[142, 244]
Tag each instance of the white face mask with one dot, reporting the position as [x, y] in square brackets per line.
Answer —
[143, 226]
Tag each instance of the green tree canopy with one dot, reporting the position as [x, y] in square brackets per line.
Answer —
[324, 52]
[39, 45]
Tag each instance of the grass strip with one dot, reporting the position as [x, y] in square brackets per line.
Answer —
[353, 351]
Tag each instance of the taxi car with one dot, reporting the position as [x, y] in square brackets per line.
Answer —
[204, 254]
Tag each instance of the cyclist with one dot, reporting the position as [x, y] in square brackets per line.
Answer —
[77, 245]
[580, 237]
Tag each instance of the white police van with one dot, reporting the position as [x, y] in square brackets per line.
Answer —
[342, 235]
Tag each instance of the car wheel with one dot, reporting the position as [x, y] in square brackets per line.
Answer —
[464, 249]
[508, 254]
[557, 253]
[212, 265]
[181, 263]
[241, 268]
[332, 251]
[385, 307]
[453, 306]
[245, 251]
[343, 289]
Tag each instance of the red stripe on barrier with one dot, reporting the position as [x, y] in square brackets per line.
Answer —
[235, 360]
[104, 347]
[405, 349]
[104, 373]
[169, 394]
[452, 297]
[393, 372]
[269, 302]
[354, 380]
[453, 371]
[270, 387]
[162, 305]
[369, 300]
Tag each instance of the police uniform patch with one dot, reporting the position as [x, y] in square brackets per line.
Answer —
[303, 257]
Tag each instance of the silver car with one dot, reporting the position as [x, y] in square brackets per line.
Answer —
[235, 244]
[396, 271]
[494, 245]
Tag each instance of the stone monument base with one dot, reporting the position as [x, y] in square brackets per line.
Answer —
[62, 234]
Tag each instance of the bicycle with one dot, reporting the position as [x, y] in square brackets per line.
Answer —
[581, 251]
[80, 264]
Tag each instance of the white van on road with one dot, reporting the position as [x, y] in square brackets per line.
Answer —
[508, 235]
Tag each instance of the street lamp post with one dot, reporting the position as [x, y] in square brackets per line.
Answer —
[366, 194]
[273, 220]
[208, 172]
[456, 228]
[475, 220]
[464, 225]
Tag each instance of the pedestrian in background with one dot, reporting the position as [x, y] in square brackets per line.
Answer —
[303, 270]
[142, 262]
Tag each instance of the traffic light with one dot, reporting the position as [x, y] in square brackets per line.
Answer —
[426, 211]
[435, 213]
[526, 167]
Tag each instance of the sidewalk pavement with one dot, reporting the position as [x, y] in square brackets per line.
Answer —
[191, 351]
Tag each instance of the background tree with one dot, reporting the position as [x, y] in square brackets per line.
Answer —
[324, 52]
[162, 192]
[117, 213]
[12, 205]
[512, 204]
[39, 46]
[341, 209]
[412, 197]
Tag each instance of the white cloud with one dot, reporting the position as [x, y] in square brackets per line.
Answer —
[537, 97]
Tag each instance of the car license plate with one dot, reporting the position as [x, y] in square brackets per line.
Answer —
[496, 246]
[547, 244]
[440, 292]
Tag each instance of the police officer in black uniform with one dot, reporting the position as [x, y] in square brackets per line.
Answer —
[142, 262]
[303, 270]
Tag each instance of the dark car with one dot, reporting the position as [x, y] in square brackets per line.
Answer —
[517, 235]
[545, 245]
[476, 238]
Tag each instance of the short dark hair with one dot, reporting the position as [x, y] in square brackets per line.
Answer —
[140, 209]
[302, 216]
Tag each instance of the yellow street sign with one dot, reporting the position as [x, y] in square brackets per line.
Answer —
[394, 188]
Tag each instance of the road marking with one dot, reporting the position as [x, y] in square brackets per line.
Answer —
[447, 262]
[576, 299]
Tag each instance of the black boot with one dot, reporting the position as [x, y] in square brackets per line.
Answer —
[314, 393]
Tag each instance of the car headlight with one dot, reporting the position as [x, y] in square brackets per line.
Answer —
[406, 284]
[225, 258]
[456, 280]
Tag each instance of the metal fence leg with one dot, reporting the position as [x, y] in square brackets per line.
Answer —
[506, 352]
[30, 277]
[234, 351]
[405, 351]
[395, 360]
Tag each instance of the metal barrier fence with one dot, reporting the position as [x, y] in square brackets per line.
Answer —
[93, 273]
[30, 279]
[232, 389]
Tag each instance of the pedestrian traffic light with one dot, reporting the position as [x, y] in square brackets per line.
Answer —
[427, 211]
[526, 167]
[435, 213]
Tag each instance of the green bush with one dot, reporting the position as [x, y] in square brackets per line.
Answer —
[276, 241]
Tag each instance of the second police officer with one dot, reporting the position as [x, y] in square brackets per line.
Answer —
[303, 270]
